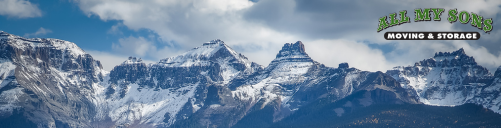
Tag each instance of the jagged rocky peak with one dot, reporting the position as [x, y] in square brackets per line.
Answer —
[343, 65]
[133, 60]
[293, 50]
[214, 42]
[448, 59]
[459, 52]
[456, 62]
[292, 58]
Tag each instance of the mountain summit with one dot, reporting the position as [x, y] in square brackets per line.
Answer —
[459, 52]
[212, 51]
[449, 59]
[293, 51]
[291, 54]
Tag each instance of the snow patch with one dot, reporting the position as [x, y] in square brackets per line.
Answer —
[148, 106]
[7, 70]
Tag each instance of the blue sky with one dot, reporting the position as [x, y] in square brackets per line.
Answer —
[66, 21]
[332, 31]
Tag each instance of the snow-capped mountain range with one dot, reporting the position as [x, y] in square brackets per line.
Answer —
[54, 83]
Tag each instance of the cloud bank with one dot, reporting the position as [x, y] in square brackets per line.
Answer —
[332, 31]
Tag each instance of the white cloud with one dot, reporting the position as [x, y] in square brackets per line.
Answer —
[40, 32]
[133, 46]
[258, 30]
[115, 29]
[19, 9]
[142, 47]
[358, 55]
[190, 23]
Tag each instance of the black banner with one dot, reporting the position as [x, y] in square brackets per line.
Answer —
[432, 35]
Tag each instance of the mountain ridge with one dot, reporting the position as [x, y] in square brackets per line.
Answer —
[213, 86]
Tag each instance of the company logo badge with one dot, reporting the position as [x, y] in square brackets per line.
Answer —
[425, 15]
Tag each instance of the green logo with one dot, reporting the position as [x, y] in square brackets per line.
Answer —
[425, 15]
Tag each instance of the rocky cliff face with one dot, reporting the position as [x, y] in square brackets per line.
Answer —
[46, 82]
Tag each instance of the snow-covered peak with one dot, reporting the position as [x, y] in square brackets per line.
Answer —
[23, 43]
[209, 52]
[2, 33]
[5, 35]
[214, 42]
[132, 60]
[65, 45]
[447, 79]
